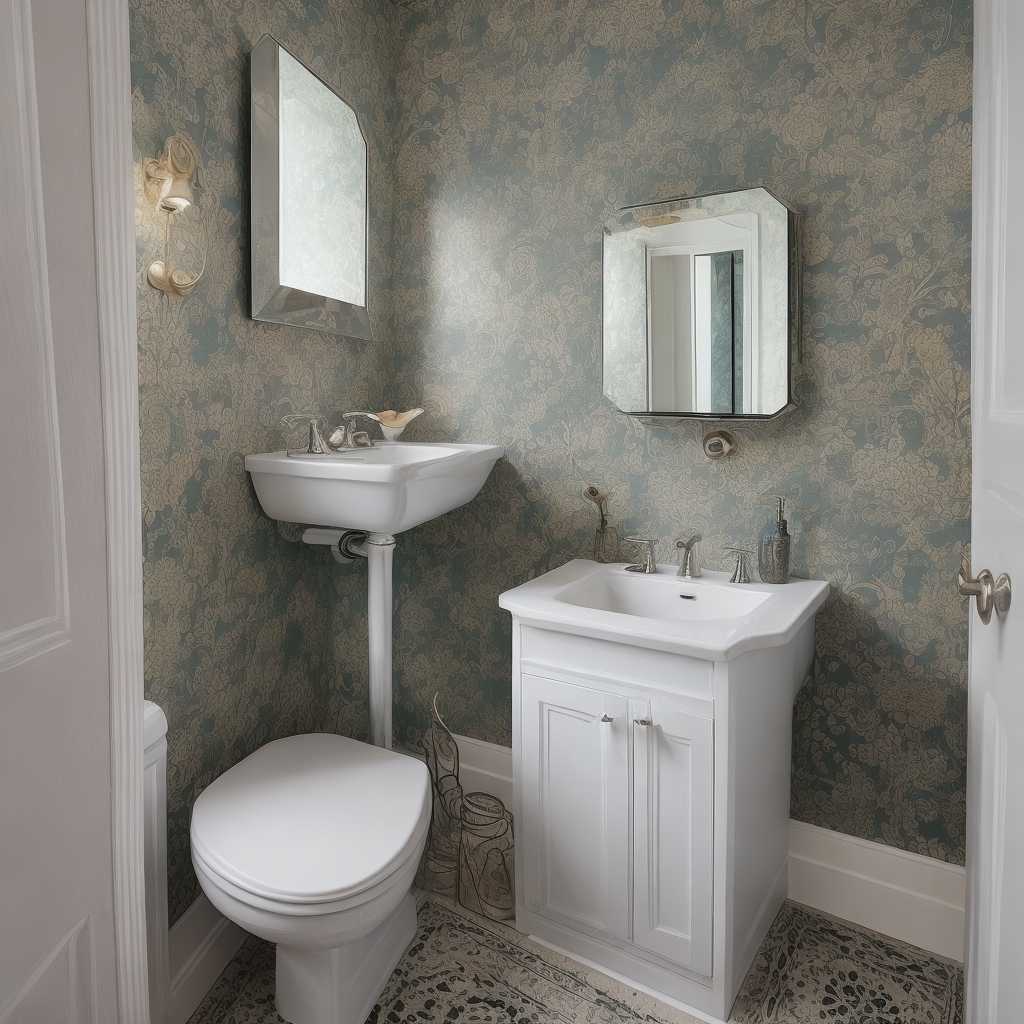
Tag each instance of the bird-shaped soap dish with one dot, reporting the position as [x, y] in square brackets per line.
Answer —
[392, 423]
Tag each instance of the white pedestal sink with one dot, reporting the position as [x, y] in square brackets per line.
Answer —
[380, 491]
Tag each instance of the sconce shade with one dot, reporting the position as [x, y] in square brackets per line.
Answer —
[176, 195]
[169, 178]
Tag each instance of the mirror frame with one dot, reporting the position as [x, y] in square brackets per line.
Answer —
[270, 300]
[793, 302]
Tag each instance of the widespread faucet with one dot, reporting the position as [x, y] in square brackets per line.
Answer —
[689, 559]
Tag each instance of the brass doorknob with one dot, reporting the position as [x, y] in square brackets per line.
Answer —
[989, 592]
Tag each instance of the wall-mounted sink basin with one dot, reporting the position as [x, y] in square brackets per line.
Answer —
[383, 490]
[706, 617]
[386, 489]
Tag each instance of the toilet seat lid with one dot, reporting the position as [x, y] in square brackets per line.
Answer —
[312, 818]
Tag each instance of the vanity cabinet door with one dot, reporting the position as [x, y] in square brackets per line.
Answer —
[673, 773]
[575, 778]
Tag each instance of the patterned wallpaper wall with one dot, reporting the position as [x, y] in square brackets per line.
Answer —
[240, 624]
[501, 137]
[523, 126]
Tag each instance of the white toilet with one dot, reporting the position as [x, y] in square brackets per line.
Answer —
[312, 842]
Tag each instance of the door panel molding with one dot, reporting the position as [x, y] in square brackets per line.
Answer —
[61, 990]
[24, 266]
[577, 814]
[673, 866]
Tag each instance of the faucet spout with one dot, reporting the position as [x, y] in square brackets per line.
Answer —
[346, 436]
[689, 559]
[648, 566]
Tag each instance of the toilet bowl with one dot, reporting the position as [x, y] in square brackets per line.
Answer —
[312, 842]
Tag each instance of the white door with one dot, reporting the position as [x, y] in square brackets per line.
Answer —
[673, 772]
[995, 850]
[575, 836]
[57, 956]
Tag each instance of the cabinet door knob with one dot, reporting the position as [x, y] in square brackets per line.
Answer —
[641, 721]
[607, 718]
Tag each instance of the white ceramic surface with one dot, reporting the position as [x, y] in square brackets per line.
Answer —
[707, 618]
[311, 818]
[651, 733]
[312, 843]
[386, 489]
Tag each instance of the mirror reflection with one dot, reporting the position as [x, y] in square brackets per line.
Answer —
[309, 194]
[699, 306]
[323, 193]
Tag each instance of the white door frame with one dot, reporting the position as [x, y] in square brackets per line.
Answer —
[109, 55]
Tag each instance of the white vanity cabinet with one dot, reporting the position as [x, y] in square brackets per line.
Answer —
[616, 796]
[652, 777]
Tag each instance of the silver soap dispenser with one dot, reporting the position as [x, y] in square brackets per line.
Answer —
[773, 550]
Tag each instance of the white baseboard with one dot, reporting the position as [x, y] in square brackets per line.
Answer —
[485, 768]
[917, 899]
[202, 943]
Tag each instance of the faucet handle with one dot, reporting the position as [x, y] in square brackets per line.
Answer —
[741, 571]
[354, 415]
[648, 566]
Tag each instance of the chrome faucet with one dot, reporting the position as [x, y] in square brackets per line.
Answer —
[648, 566]
[689, 558]
[342, 437]
[346, 436]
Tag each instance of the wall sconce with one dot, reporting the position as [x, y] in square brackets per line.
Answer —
[169, 180]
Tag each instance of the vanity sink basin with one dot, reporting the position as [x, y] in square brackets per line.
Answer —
[662, 597]
[391, 487]
[708, 617]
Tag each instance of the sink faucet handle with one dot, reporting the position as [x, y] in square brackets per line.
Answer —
[648, 566]
[689, 559]
[355, 415]
[741, 571]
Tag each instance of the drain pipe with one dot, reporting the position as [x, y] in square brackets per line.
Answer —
[378, 549]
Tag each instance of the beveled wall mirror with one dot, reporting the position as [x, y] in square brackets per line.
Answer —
[701, 306]
[309, 199]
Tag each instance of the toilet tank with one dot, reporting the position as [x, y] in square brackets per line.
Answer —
[154, 740]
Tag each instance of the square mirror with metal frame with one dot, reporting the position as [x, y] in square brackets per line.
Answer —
[309, 199]
[702, 306]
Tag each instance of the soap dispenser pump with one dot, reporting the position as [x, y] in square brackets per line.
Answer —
[773, 551]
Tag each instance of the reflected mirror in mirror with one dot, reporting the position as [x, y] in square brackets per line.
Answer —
[309, 199]
[700, 306]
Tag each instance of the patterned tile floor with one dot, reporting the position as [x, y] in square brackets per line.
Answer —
[467, 969]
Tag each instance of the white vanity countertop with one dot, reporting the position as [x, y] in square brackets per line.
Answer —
[707, 618]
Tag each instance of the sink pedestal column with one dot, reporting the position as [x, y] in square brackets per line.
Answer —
[379, 549]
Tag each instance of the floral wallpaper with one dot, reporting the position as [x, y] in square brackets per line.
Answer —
[522, 127]
[501, 137]
[240, 624]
